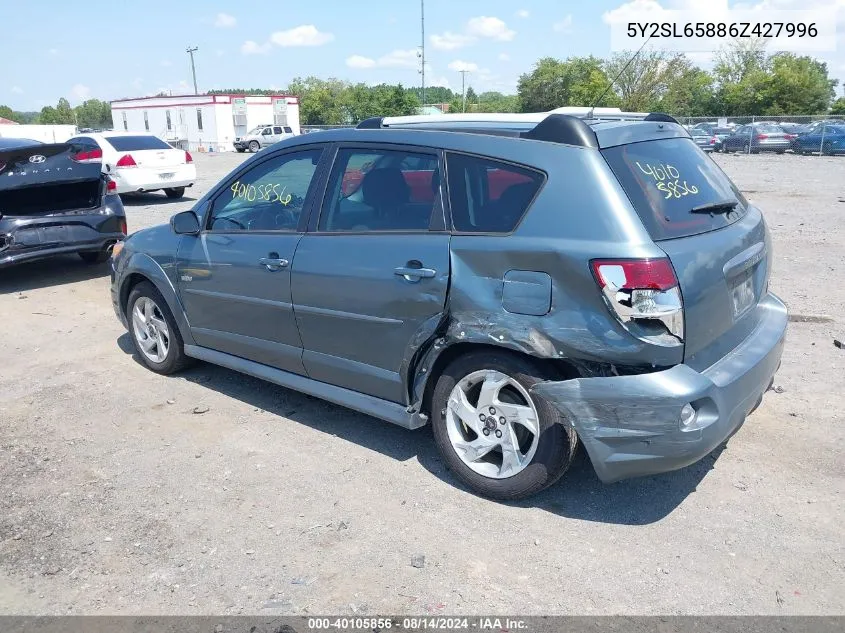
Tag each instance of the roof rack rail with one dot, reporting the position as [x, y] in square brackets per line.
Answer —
[567, 125]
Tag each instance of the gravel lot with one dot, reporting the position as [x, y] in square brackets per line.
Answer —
[116, 496]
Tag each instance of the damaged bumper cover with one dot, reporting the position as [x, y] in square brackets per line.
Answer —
[632, 425]
[28, 239]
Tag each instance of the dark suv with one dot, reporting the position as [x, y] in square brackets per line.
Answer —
[518, 281]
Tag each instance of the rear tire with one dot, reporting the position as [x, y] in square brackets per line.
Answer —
[175, 192]
[154, 331]
[535, 460]
[95, 257]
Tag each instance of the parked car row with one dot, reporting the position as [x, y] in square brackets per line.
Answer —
[825, 137]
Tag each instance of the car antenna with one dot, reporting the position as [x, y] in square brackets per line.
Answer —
[615, 79]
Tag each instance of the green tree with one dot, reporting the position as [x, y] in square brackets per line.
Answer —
[321, 101]
[496, 102]
[691, 93]
[93, 113]
[740, 58]
[577, 81]
[433, 94]
[838, 106]
[798, 85]
[64, 113]
[48, 116]
[643, 80]
[7, 113]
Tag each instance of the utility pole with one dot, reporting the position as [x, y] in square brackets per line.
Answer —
[463, 88]
[191, 52]
[422, 48]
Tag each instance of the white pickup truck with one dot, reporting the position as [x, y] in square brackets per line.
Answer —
[262, 136]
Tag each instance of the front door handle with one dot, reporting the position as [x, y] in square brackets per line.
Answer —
[272, 263]
[414, 274]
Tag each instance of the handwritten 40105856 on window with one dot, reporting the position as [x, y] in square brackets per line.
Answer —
[266, 193]
[668, 180]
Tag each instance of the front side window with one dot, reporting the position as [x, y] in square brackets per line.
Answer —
[268, 197]
[377, 191]
[488, 196]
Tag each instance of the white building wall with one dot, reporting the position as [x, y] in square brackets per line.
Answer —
[218, 125]
[43, 133]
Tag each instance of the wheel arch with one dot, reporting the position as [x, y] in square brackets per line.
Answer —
[143, 268]
[441, 355]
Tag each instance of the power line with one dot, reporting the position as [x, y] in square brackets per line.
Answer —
[191, 52]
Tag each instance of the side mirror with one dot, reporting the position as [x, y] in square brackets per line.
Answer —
[185, 223]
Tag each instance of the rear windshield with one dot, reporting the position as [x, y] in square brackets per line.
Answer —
[134, 143]
[666, 179]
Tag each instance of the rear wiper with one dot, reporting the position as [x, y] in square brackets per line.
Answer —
[723, 206]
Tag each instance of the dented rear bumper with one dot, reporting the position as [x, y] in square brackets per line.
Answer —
[630, 425]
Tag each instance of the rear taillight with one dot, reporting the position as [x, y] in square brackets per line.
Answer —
[88, 156]
[713, 140]
[643, 294]
[188, 157]
[789, 137]
[126, 161]
[762, 137]
[111, 185]
[123, 226]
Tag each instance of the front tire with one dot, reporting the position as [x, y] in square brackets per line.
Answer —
[154, 331]
[240, 150]
[520, 447]
[175, 192]
[254, 146]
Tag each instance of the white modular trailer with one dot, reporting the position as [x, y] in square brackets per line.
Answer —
[43, 133]
[204, 122]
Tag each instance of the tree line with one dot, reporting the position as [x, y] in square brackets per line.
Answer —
[91, 113]
[745, 81]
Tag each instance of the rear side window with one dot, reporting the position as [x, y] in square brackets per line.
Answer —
[668, 178]
[488, 196]
[135, 143]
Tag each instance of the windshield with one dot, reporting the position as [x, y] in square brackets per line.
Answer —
[257, 130]
[666, 179]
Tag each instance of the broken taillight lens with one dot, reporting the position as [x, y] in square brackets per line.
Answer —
[644, 295]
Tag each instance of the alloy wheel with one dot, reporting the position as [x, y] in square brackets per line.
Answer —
[493, 424]
[150, 330]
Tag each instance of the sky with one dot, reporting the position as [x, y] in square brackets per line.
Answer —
[134, 48]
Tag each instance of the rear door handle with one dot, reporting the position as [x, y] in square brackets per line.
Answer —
[414, 274]
[273, 264]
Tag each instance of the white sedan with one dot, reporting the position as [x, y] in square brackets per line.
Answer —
[139, 162]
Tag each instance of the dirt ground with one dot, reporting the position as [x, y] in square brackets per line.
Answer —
[116, 497]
